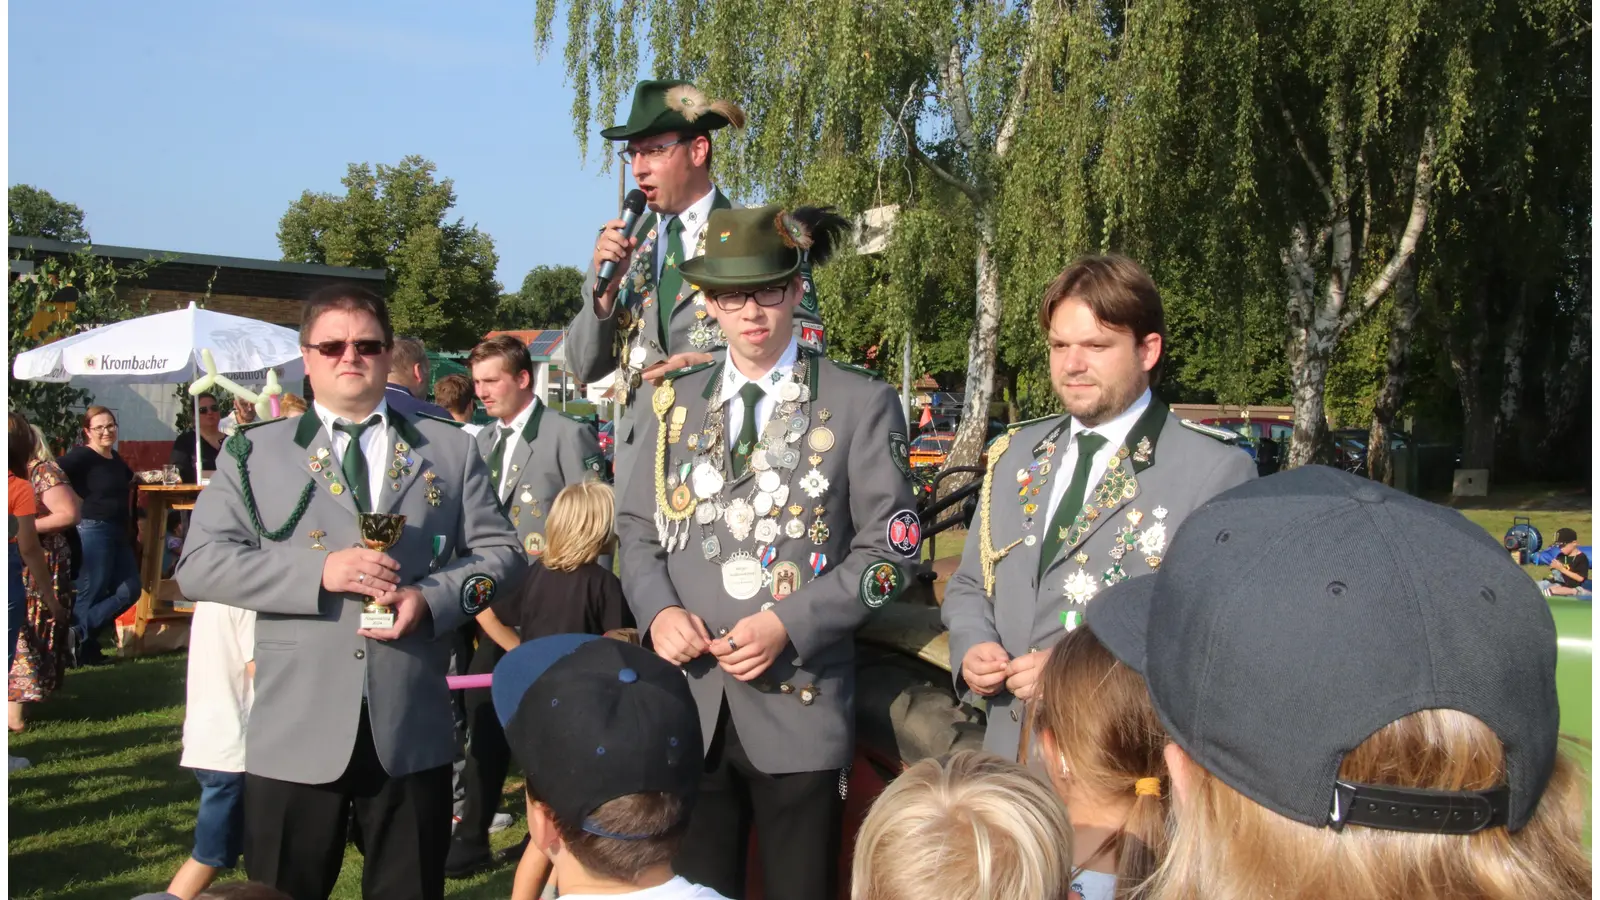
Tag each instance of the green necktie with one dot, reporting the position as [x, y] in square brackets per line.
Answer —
[751, 394]
[354, 462]
[1089, 444]
[496, 457]
[671, 281]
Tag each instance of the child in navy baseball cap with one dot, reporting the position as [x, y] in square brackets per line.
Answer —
[1360, 691]
[609, 738]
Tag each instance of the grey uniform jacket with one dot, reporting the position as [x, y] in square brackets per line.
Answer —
[552, 451]
[1163, 471]
[799, 716]
[311, 666]
[596, 347]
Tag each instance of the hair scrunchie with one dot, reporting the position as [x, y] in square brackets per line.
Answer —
[1147, 787]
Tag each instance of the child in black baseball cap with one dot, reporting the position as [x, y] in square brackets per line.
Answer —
[609, 738]
[1360, 691]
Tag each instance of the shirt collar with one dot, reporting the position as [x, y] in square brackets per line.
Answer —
[694, 219]
[733, 379]
[520, 420]
[328, 419]
[1116, 430]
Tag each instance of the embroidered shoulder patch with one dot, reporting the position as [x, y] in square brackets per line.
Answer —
[595, 465]
[477, 592]
[900, 452]
[881, 582]
[905, 533]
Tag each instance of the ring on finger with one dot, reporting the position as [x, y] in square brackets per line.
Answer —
[732, 644]
[361, 578]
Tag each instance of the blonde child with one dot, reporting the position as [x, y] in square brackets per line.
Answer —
[969, 826]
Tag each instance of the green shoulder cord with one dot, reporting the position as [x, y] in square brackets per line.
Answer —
[239, 448]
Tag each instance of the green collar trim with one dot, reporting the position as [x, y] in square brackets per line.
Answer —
[311, 423]
[720, 200]
[306, 432]
[1147, 429]
[531, 430]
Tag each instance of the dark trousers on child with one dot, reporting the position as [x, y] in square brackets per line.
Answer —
[488, 759]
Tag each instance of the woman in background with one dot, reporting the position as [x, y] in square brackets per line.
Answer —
[108, 580]
[40, 664]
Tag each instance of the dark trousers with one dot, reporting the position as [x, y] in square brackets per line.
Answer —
[797, 819]
[488, 758]
[108, 580]
[295, 833]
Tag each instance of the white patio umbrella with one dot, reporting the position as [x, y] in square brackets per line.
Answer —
[165, 348]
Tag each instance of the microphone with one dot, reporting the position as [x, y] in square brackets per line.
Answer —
[632, 208]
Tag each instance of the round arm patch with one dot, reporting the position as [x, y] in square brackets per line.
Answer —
[905, 533]
[477, 592]
[881, 582]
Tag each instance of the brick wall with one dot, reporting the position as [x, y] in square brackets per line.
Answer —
[267, 309]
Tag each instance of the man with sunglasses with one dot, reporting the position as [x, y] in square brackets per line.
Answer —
[650, 320]
[349, 710]
[772, 512]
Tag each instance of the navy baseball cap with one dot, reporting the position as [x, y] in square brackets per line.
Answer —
[591, 719]
[1296, 615]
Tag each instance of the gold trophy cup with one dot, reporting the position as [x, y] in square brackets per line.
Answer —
[379, 531]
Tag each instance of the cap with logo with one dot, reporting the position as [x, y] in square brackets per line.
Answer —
[591, 719]
[1565, 536]
[1297, 614]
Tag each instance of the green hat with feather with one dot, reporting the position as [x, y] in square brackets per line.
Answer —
[763, 246]
[663, 106]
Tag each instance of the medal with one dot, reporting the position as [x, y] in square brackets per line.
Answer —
[789, 392]
[664, 396]
[819, 532]
[795, 529]
[711, 547]
[766, 531]
[527, 497]
[742, 576]
[681, 499]
[768, 482]
[780, 497]
[763, 504]
[739, 518]
[706, 512]
[707, 481]
[821, 439]
[1080, 587]
[636, 358]
[814, 484]
[759, 461]
[534, 544]
[785, 579]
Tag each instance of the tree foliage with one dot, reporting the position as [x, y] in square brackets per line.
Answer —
[62, 296]
[549, 298]
[441, 285]
[1276, 164]
[33, 212]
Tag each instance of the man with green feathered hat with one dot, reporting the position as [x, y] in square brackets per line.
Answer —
[650, 320]
[771, 511]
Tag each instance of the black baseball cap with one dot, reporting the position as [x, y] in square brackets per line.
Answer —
[591, 719]
[1295, 615]
[1565, 536]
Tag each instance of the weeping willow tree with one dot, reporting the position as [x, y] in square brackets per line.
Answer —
[1008, 135]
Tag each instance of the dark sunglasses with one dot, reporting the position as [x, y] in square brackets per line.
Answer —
[335, 349]
[733, 301]
[208, 410]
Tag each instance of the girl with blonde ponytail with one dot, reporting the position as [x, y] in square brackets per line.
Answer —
[1103, 745]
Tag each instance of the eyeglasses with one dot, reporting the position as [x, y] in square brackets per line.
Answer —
[103, 429]
[733, 301]
[209, 410]
[335, 349]
[630, 155]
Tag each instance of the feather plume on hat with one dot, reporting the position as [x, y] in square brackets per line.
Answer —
[815, 231]
[691, 103]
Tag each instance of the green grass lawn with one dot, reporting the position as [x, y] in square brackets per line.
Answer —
[106, 812]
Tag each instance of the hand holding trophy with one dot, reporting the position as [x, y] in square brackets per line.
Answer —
[379, 531]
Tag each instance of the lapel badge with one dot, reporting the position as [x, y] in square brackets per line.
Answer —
[1141, 454]
[1030, 540]
[1029, 509]
[1091, 514]
[316, 539]
[1081, 558]
[322, 453]
[809, 695]
[336, 488]
[1070, 619]
[823, 415]
[432, 495]
[1153, 540]
[400, 447]
[515, 467]
[1135, 517]
[1114, 575]
[1160, 513]
[316, 465]
[1154, 562]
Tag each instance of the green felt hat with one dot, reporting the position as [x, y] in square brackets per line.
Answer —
[745, 249]
[763, 246]
[663, 106]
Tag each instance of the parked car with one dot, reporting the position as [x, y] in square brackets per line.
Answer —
[1264, 439]
[931, 449]
[608, 439]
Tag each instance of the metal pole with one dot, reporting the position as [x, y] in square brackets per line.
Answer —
[198, 471]
[905, 381]
[622, 186]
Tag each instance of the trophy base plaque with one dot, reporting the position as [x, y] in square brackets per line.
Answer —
[376, 615]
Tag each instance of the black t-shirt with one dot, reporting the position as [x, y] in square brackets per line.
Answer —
[183, 456]
[587, 600]
[1578, 563]
[102, 483]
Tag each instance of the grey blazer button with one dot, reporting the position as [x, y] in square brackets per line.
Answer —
[1013, 715]
[361, 654]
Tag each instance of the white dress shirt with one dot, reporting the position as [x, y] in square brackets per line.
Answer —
[374, 445]
[517, 423]
[694, 224]
[1115, 432]
[733, 380]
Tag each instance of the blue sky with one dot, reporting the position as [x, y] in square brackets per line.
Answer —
[191, 126]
